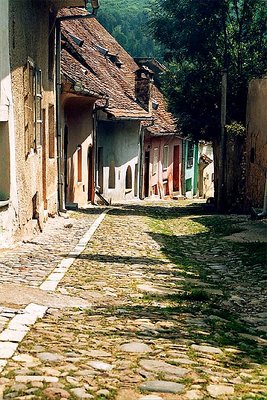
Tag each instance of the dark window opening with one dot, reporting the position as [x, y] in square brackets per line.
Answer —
[190, 155]
[129, 182]
[111, 176]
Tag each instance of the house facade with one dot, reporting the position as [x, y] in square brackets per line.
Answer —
[205, 170]
[28, 181]
[102, 110]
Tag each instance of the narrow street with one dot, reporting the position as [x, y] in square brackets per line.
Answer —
[165, 301]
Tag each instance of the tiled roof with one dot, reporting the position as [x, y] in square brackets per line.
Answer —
[164, 122]
[103, 68]
[94, 70]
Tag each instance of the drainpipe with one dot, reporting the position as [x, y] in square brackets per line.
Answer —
[263, 214]
[60, 156]
[94, 154]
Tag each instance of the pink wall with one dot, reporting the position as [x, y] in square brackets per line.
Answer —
[161, 180]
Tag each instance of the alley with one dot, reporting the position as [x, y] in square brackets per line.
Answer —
[164, 302]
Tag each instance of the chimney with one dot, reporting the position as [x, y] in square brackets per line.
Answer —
[143, 86]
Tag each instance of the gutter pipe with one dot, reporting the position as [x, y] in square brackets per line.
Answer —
[60, 155]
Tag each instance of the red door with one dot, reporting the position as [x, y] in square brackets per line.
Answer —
[176, 171]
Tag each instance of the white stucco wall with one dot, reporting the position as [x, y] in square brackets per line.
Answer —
[120, 143]
[8, 222]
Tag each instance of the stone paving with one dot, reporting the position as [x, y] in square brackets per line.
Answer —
[150, 332]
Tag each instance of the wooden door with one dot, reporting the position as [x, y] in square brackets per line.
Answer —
[176, 168]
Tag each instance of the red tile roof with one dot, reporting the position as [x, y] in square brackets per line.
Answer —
[102, 67]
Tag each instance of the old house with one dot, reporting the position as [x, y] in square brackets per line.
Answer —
[163, 152]
[28, 173]
[162, 157]
[104, 101]
[256, 143]
[205, 170]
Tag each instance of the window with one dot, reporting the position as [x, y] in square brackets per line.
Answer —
[129, 183]
[51, 130]
[32, 87]
[111, 176]
[79, 158]
[190, 154]
[165, 157]
[38, 106]
[155, 160]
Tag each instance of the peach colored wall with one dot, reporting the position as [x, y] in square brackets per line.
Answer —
[29, 35]
[162, 178]
[78, 117]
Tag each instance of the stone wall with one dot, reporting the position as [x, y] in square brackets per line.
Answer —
[256, 145]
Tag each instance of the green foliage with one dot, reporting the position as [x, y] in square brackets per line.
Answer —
[203, 38]
[127, 22]
[235, 129]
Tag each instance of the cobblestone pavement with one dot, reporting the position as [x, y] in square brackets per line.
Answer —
[172, 315]
[28, 263]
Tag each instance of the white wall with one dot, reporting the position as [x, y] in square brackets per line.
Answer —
[120, 142]
[8, 214]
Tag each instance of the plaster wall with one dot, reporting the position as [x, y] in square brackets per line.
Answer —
[256, 142]
[36, 172]
[160, 178]
[8, 187]
[78, 118]
[120, 143]
[206, 175]
[190, 172]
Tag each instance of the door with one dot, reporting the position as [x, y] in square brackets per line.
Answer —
[100, 168]
[90, 173]
[146, 174]
[44, 171]
[176, 168]
[66, 142]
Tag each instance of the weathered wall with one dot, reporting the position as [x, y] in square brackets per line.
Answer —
[205, 171]
[8, 188]
[160, 178]
[79, 122]
[120, 143]
[256, 143]
[29, 35]
[190, 171]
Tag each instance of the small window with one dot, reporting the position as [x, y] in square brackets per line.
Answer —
[190, 154]
[32, 87]
[155, 160]
[79, 158]
[129, 181]
[111, 176]
[165, 157]
[38, 106]
[51, 130]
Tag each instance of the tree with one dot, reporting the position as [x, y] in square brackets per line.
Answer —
[202, 38]
[127, 22]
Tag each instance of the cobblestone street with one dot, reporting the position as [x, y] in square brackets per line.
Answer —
[157, 305]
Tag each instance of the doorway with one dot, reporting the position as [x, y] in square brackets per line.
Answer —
[90, 173]
[66, 142]
[176, 168]
[146, 174]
